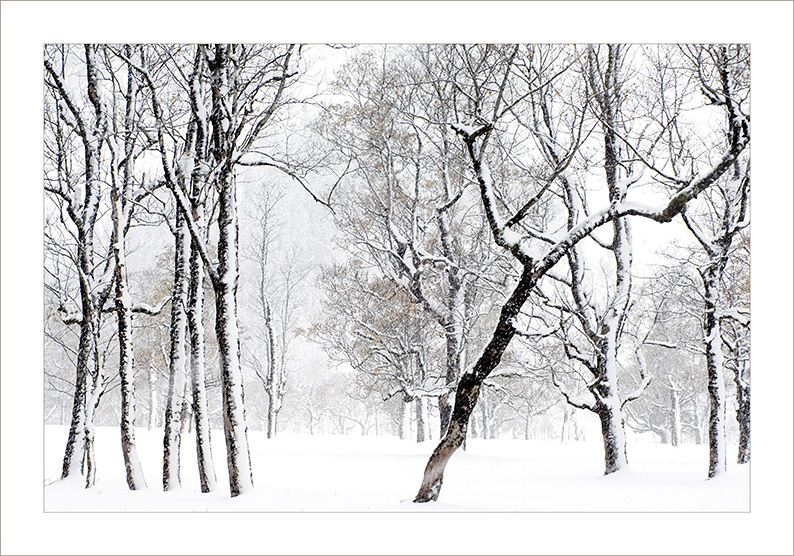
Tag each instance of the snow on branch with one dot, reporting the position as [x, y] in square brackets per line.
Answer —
[141, 308]
[503, 235]
[740, 315]
[537, 334]
[659, 343]
[568, 399]
[285, 170]
[75, 317]
[644, 374]
[149, 309]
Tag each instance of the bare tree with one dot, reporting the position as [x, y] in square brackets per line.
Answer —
[247, 85]
[281, 270]
[393, 347]
[404, 206]
[78, 190]
[475, 134]
[723, 73]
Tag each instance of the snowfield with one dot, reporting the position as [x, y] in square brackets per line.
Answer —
[329, 473]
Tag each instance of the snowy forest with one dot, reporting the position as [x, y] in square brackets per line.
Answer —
[254, 252]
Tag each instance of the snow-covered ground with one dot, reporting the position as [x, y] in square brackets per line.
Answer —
[294, 473]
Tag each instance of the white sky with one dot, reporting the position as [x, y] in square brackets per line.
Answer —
[26, 26]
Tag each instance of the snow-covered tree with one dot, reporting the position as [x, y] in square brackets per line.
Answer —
[281, 270]
[483, 122]
[403, 205]
[719, 217]
[247, 86]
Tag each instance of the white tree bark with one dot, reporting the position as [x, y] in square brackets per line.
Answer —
[198, 367]
[177, 372]
[82, 204]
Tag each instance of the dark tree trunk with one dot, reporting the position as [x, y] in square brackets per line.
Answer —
[75, 443]
[612, 432]
[716, 381]
[743, 414]
[135, 479]
[469, 389]
[84, 215]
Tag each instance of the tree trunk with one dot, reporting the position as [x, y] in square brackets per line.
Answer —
[195, 312]
[743, 417]
[132, 464]
[177, 373]
[152, 397]
[77, 441]
[89, 458]
[271, 384]
[565, 436]
[614, 436]
[427, 404]
[469, 388]
[453, 342]
[405, 419]
[420, 419]
[716, 380]
[741, 378]
[698, 425]
[75, 444]
[675, 418]
[528, 423]
[226, 329]
[120, 215]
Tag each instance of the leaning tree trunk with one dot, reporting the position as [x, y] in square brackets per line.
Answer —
[469, 389]
[177, 373]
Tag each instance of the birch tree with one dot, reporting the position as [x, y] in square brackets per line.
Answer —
[736, 337]
[111, 143]
[247, 86]
[122, 202]
[77, 183]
